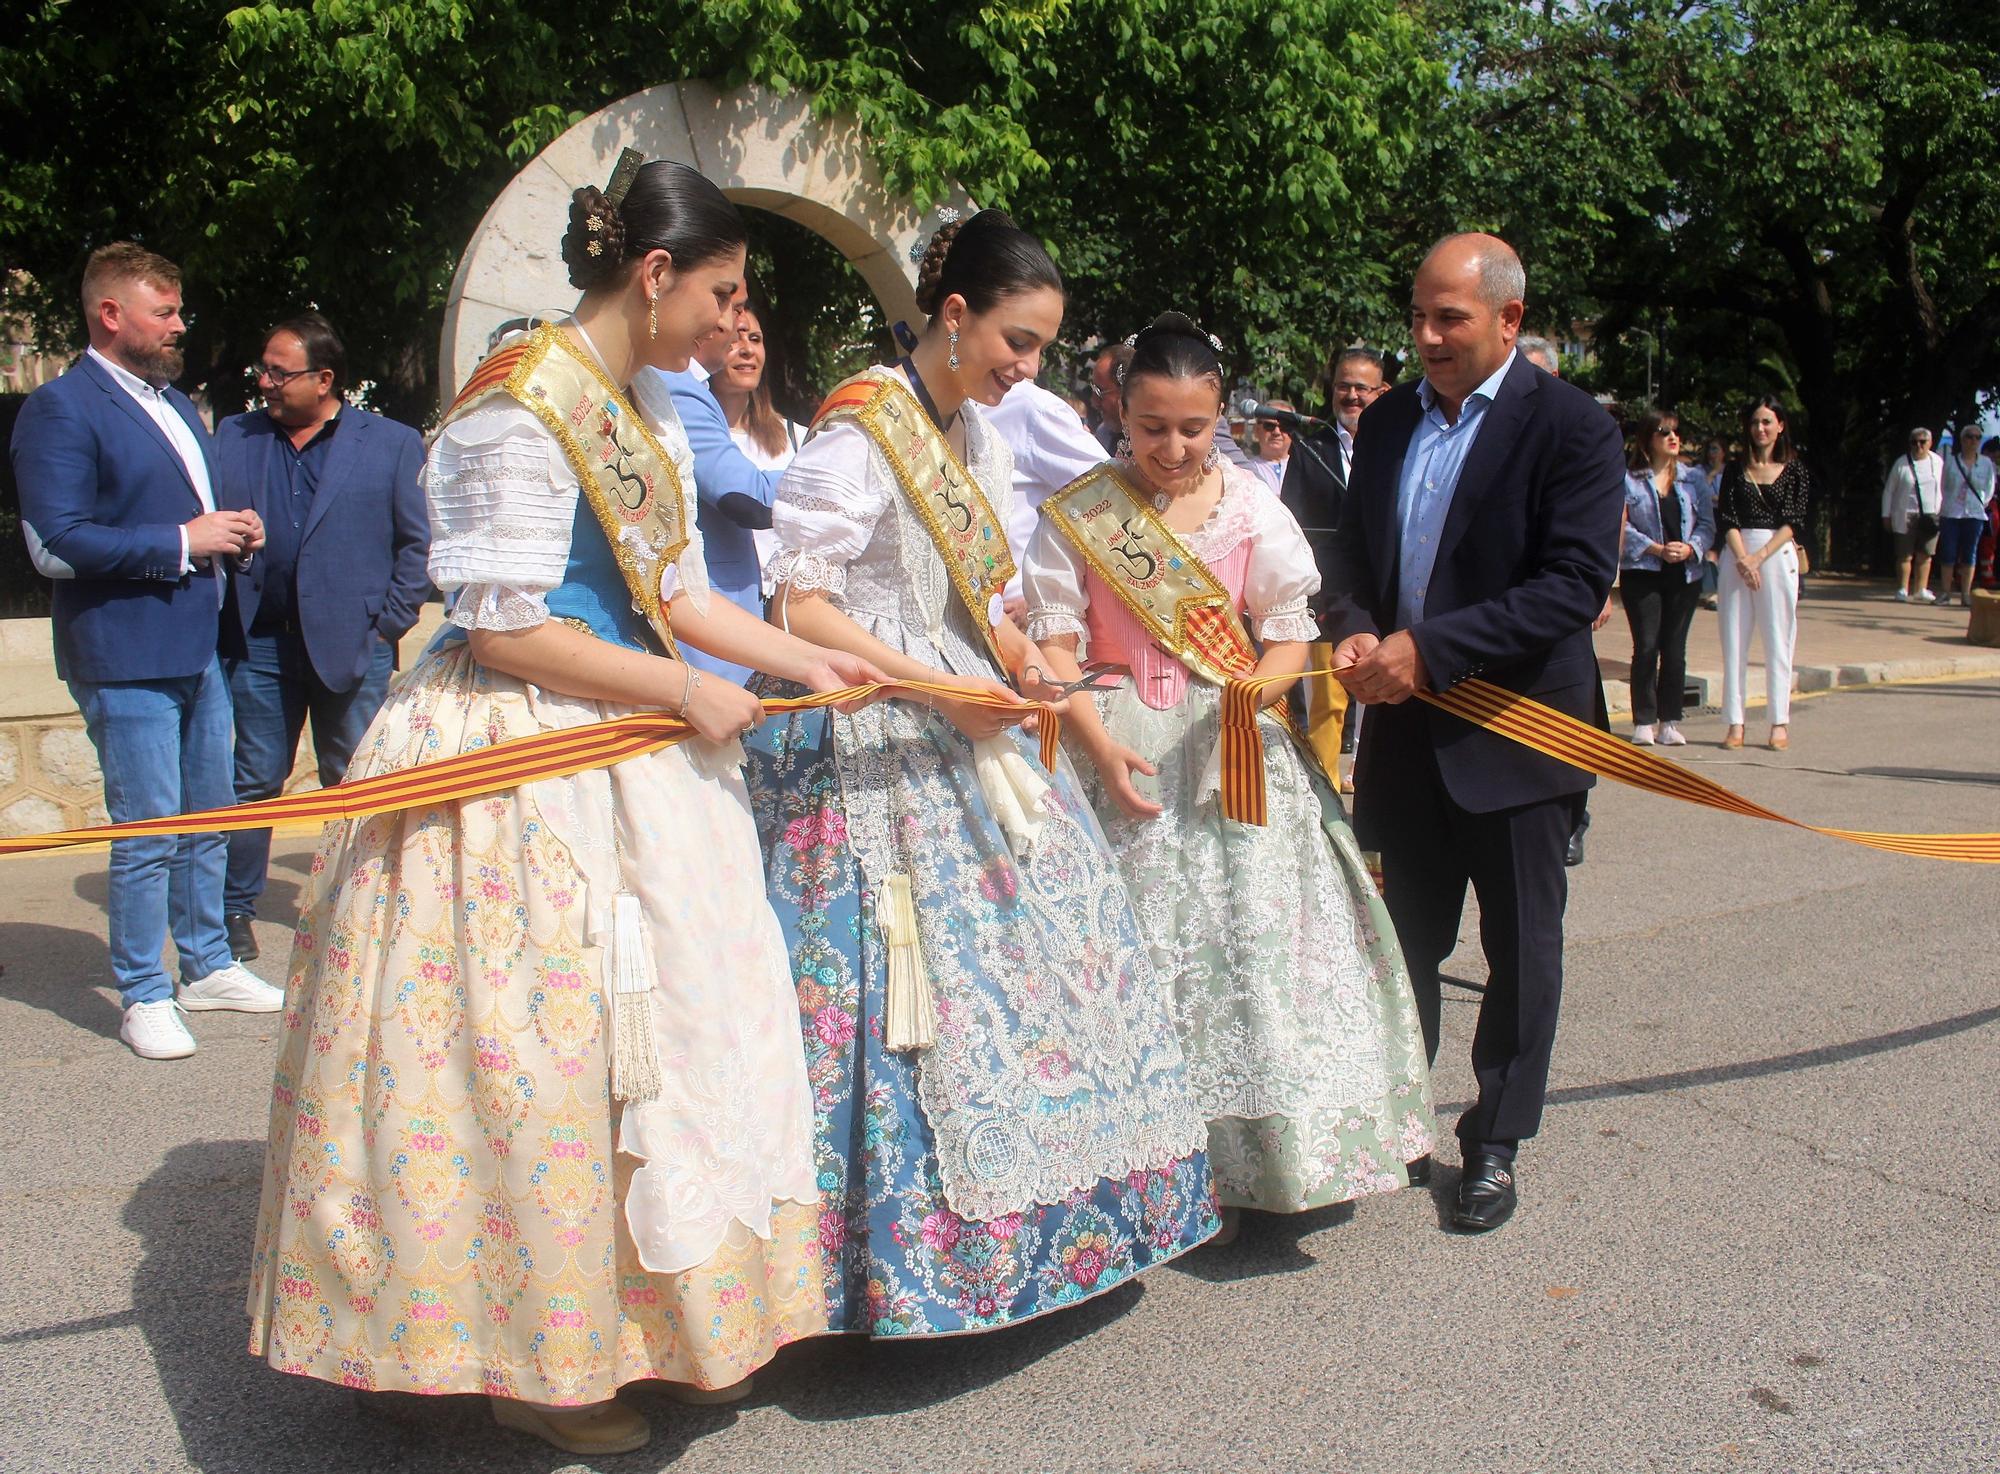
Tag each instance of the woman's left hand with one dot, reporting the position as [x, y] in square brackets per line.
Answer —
[837, 670]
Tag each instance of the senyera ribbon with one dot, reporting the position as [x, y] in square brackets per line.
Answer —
[1568, 740]
[470, 775]
[558, 754]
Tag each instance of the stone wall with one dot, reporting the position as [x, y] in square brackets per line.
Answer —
[49, 778]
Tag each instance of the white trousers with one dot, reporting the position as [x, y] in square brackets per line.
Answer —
[1771, 610]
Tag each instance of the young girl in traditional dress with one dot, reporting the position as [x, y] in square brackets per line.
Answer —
[1290, 994]
[541, 1124]
[1003, 1123]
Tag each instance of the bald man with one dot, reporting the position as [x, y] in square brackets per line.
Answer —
[1477, 538]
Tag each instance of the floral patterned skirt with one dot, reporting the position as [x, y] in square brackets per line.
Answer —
[453, 1202]
[1289, 990]
[901, 1260]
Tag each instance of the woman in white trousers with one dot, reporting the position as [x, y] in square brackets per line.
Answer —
[1760, 508]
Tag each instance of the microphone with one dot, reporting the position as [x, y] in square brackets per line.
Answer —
[1291, 419]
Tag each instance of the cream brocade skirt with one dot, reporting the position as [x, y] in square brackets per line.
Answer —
[453, 1202]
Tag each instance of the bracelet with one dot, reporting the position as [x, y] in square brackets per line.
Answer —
[688, 688]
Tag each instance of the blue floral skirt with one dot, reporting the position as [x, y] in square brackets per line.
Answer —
[1030, 1090]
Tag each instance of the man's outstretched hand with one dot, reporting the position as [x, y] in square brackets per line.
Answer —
[1377, 672]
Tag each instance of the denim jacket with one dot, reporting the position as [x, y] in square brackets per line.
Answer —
[1642, 519]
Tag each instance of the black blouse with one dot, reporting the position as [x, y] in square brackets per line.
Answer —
[1742, 503]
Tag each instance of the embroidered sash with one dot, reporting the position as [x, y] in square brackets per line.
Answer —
[954, 511]
[1183, 607]
[629, 480]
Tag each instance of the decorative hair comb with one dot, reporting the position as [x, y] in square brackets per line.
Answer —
[622, 175]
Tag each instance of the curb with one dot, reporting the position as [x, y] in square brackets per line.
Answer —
[1811, 680]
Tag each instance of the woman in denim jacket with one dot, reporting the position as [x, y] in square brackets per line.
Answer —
[1669, 528]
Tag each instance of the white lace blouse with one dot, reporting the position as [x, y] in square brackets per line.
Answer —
[1279, 578]
[503, 502]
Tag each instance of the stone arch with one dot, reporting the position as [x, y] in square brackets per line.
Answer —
[765, 150]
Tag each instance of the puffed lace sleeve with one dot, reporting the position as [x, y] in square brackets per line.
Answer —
[1053, 585]
[826, 509]
[502, 501]
[1281, 578]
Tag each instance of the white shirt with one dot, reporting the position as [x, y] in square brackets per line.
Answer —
[1967, 493]
[1346, 449]
[155, 403]
[1051, 449]
[1271, 473]
[765, 540]
[1913, 486]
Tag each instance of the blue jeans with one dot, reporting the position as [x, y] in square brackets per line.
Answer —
[164, 749]
[275, 689]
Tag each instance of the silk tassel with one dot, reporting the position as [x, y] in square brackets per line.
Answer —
[909, 1006]
[635, 1055]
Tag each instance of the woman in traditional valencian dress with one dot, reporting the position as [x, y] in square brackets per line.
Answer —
[1290, 993]
[1004, 1124]
[541, 1124]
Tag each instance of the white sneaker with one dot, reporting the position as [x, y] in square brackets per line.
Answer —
[155, 1031]
[1670, 735]
[1902, 596]
[1925, 596]
[1642, 736]
[234, 988]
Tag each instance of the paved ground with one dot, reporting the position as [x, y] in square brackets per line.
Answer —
[1761, 1229]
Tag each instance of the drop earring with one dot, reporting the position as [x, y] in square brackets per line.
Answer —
[954, 350]
[1211, 460]
[652, 317]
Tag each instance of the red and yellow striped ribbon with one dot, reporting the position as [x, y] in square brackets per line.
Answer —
[1581, 745]
[470, 775]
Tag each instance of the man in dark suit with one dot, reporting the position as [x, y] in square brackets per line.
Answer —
[1478, 538]
[117, 478]
[339, 582]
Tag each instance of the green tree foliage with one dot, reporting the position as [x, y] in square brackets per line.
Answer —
[1223, 156]
[1790, 196]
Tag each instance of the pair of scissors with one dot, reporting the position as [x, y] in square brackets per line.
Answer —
[1098, 675]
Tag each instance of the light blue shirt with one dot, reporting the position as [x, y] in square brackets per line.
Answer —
[1430, 479]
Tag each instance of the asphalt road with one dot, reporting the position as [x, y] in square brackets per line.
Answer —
[1760, 1230]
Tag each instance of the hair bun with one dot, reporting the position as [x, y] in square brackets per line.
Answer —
[930, 270]
[594, 245]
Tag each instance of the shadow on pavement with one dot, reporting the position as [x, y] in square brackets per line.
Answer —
[280, 901]
[1929, 775]
[1268, 1243]
[62, 972]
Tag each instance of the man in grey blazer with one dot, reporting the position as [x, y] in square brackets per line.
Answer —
[340, 580]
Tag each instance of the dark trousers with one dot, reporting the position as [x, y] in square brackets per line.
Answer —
[1431, 848]
[1659, 605]
[275, 690]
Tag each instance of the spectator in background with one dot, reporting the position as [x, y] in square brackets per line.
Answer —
[1541, 353]
[341, 578]
[1669, 528]
[742, 391]
[1274, 448]
[1714, 457]
[1912, 499]
[117, 480]
[1991, 539]
[1968, 493]
[1758, 514]
[1106, 372]
[733, 494]
[1051, 448]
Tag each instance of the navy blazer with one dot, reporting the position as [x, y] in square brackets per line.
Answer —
[1524, 564]
[733, 495]
[104, 496]
[362, 551]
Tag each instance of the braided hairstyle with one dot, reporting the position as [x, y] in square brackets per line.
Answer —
[669, 207]
[983, 259]
[1172, 347]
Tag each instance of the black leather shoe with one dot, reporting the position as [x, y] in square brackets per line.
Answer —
[1486, 1195]
[242, 940]
[1420, 1171]
[1573, 856]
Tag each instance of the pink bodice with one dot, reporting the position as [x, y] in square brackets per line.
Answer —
[1116, 636]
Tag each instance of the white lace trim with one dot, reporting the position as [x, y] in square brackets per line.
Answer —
[494, 606]
[807, 572]
[1050, 621]
[1295, 622]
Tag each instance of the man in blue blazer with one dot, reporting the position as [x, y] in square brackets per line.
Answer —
[1478, 537]
[733, 496]
[117, 479]
[340, 580]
